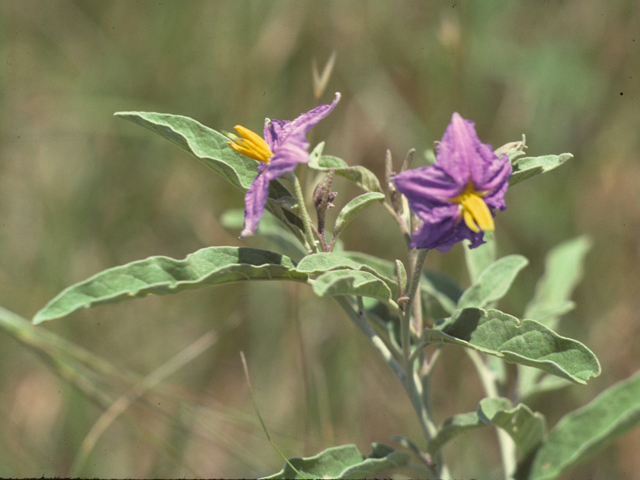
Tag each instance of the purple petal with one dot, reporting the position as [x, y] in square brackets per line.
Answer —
[427, 190]
[464, 157]
[461, 158]
[255, 200]
[457, 150]
[497, 186]
[444, 235]
[289, 145]
[256, 197]
[277, 132]
[430, 182]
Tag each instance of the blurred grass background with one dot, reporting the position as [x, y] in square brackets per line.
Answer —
[81, 191]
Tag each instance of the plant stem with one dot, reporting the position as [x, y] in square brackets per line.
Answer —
[414, 386]
[361, 322]
[408, 377]
[405, 326]
[306, 220]
[507, 445]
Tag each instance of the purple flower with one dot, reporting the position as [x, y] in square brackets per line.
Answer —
[457, 196]
[283, 147]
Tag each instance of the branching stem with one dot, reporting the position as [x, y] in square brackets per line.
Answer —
[302, 210]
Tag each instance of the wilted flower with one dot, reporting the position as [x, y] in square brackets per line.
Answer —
[457, 196]
[283, 147]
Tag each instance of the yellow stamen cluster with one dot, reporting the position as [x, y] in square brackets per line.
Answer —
[475, 211]
[250, 145]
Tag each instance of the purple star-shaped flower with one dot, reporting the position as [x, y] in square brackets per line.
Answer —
[457, 196]
[283, 147]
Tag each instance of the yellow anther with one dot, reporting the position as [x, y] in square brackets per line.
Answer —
[475, 211]
[250, 144]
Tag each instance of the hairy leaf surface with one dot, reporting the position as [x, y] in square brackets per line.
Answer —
[345, 461]
[525, 342]
[524, 426]
[563, 271]
[361, 176]
[493, 283]
[351, 282]
[582, 432]
[354, 207]
[164, 275]
[208, 145]
[527, 167]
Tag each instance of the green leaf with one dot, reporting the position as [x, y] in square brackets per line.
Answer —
[383, 458]
[437, 285]
[383, 267]
[351, 282]
[164, 275]
[345, 461]
[563, 271]
[402, 276]
[359, 175]
[512, 149]
[319, 263]
[452, 427]
[582, 432]
[479, 258]
[442, 288]
[354, 207]
[525, 427]
[209, 146]
[521, 423]
[525, 342]
[493, 283]
[527, 167]
[316, 153]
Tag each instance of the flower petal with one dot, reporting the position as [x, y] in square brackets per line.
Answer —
[256, 197]
[430, 182]
[444, 235]
[255, 200]
[464, 157]
[287, 140]
[465, 171]
[277, 132]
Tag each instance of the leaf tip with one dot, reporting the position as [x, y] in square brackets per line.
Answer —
[38, 318]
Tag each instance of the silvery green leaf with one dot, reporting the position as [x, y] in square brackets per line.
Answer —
[525, 342]
[164, 276]
[583, 432]
[527, 167]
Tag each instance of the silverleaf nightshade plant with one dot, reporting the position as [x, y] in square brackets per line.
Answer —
[456, 197]
[399, 308]
[284, 146]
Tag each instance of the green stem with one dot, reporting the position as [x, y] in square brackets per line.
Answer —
[414, 387]
[507, 445]
[361, 322]
[312, 246]
[408, 377]
[405, 326]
